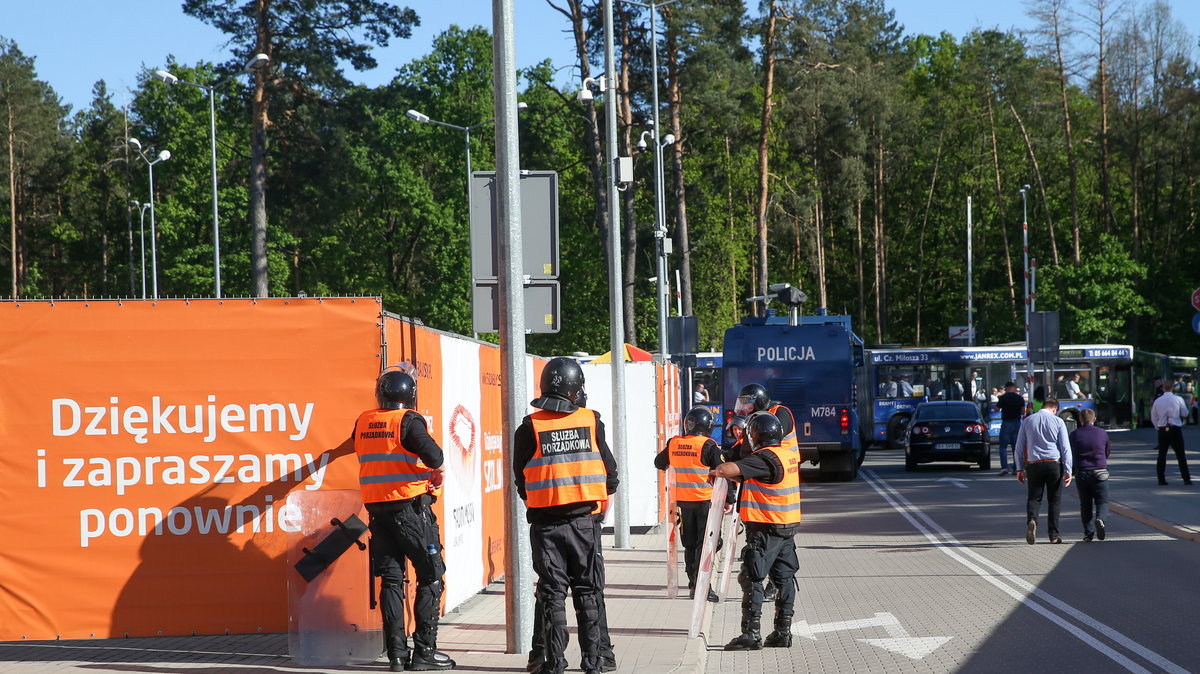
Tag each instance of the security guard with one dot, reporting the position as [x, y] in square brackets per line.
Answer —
[753, 398]
[564, 471]
[693, 455]
[399, 472]
[733, 444]
[608, 657]
[770, 508]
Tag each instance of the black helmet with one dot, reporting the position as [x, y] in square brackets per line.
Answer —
[736, 421]
[698, 421]
[396, 390]
[764, 430]
[753, 398]
[562, 378]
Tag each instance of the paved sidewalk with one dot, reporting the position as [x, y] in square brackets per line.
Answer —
[649, 631]
[649, 634]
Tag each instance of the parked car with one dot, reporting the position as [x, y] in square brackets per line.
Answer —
[948, 430]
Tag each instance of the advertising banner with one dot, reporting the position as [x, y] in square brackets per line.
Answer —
[149, 449]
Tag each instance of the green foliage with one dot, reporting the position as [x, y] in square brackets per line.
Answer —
[877, 140]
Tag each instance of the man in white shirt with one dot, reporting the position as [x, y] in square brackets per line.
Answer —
[1043, 454]
[1167, 415]
[1073, 391]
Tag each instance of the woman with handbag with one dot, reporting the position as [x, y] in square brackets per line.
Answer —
[1089, 454]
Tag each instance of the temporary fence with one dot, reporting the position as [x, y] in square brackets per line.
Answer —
[150, 447]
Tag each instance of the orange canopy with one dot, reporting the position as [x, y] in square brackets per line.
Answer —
[632, 353]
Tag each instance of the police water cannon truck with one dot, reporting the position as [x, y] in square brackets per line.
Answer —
[813, 365]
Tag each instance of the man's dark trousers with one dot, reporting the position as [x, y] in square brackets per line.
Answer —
[1172, 436]
[1093, 499]
[564, 558]
[1044, 476]
[693, 517]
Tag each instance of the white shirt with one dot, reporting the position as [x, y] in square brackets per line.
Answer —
[1073, 389]
[1168, 410]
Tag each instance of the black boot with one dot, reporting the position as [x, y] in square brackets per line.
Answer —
[750, 639]
[397, 653]
[781, 637]
[430, 660]
[713, 596]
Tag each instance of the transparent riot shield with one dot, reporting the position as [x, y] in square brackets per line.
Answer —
[330, 619]
[673, 537]
[731, 550]
[708, 555]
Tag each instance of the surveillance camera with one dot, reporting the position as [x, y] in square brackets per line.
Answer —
[669, 139]
[776, 287]
[585, 95]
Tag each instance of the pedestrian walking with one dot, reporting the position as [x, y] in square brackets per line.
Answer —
[1167, 414]
[564, 471]
[693, 455]
[1043, 455]
[1090, 449]
[769, 507]
[400, 471]
[1012, 408]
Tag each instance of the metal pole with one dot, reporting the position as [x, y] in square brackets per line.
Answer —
[212, 134]
[153, 244]
[142, 227]
[518, 565]
[660, 225]
[1025, 249]
[467, 142]
[615, 284]
[970, 298]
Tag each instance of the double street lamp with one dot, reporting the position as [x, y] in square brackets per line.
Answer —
[162, 156]
[258, 62]
[142, 233]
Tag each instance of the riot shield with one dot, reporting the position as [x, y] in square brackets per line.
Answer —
[673, 537]
[731, 549]
[707, 555]
[330, 621]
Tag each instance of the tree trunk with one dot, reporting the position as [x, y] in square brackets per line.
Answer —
[880, 248]
[764, 136]
[921, 267]
[858, 265]
[675, 112]
[260, 121]
[11, 136]
[1008, 266]
[1037, 172]
[1102, 20]
[1072, 172]
[629, 215]
[592, 145]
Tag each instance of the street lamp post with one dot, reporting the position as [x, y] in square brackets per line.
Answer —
[142, 234]
[660, 226]
[660, 232]
[162, 156]
[425, 119]
[258, 62]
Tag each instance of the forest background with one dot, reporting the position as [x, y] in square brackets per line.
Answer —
[817, 144]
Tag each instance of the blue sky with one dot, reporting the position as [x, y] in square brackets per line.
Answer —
[77, 42]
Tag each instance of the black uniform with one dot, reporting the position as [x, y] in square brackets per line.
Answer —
[565, 544]
[693, 515]
[402, 530]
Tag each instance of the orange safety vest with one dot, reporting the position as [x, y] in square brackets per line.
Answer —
[777, 503]
[566, 466]
[386, 470]
[789, 440]
[691, 475]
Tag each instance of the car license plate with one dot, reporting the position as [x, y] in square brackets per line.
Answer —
[947, 445]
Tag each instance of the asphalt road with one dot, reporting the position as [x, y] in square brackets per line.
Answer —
[929, 572]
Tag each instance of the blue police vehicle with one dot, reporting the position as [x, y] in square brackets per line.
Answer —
[813, 365]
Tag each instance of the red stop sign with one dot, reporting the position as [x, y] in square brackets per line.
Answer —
[1196, 299]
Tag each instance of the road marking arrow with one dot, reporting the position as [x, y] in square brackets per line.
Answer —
[954, 481]
[913, 648]
[899, 641]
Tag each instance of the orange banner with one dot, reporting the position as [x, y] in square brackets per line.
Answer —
[149, 448]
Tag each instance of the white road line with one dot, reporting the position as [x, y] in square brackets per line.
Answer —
[912, 513]
[1020, 582]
